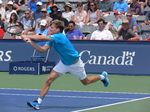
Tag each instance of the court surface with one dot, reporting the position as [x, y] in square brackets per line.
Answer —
[14, 100]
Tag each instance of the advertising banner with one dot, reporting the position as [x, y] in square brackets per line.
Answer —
[115, 57]
[28, 67]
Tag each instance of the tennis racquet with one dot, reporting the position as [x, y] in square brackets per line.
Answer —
[14, 30]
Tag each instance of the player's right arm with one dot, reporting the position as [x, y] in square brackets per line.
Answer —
[37, 37]
[40, 49]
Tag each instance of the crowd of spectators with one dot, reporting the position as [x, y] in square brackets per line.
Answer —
[38, 16]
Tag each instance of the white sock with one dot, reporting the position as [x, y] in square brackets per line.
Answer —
[39, 100]
[102, 77]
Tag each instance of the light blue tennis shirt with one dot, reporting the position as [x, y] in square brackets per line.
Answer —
[64, 47]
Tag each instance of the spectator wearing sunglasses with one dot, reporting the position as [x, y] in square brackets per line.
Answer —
[102, 33]
[32, 5]
[9, 11]
[126, 32]
[37, 14]
[93, 15]
[74, 33]
[43, 16]
[132, 22]
[42, 30]
[28, 22]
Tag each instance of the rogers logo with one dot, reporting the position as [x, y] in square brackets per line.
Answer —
[16, 68]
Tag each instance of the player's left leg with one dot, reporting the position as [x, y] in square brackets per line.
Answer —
[103, 77]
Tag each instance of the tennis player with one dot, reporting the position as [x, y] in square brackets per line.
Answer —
[70, 60]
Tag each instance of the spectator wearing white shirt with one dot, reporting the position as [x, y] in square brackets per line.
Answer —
[2, 10]
[9, 11]
[79, 16]
[68, 12]
[102, 33]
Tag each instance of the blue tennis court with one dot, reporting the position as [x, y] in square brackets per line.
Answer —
[14, 100]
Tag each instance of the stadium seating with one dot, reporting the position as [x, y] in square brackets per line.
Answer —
[87, 29]
[139, 29]
[23, 9]
[145, 30]
[88, 36]
[110, 18]
[7, 35]
[140, 19]
[146, 9]
[142, 37]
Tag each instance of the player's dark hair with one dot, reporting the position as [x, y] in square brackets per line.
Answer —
[59, 24]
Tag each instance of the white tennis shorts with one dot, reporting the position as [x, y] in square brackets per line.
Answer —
[76, 69]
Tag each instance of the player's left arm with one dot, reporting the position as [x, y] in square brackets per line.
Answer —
[37, 37]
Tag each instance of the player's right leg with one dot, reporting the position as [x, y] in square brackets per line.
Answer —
[36, 104]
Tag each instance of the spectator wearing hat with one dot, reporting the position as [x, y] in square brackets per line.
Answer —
[79, 16]
[9, 11]
[132, 22]
[74, 33]
[59, 17]
[68, 12]
[28, 22]
[32, 5]
[44, 16]
[53, 13]
[121, 6]
[115, 25]
[93, 15]
[126, 32]
[106, 7]
[2, 10]
[16, 7]
[102, 33]
[42, 30]
[135, 8]
[37, 14]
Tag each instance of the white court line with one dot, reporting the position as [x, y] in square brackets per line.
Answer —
[74, 91]
[111, 104]
[6, 94]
